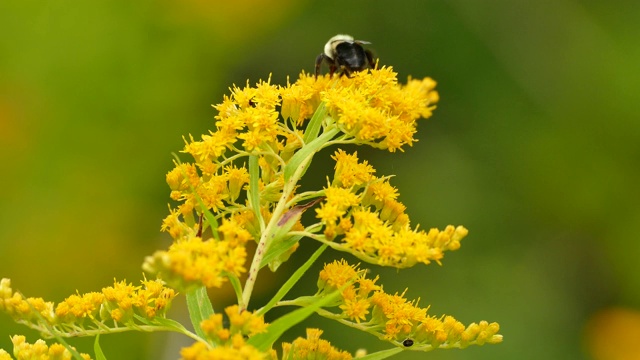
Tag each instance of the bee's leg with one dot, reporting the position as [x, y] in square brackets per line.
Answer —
[319, 60]
[372, 64]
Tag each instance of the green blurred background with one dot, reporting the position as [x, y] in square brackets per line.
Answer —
[534, 147]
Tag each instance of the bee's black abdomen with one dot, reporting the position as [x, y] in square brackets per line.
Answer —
[351, 55]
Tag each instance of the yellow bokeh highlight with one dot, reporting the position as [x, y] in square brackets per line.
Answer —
[613, 334]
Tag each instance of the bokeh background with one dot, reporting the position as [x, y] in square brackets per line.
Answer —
[534, 147]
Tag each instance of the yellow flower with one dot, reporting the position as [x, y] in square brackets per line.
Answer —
[366, 286]
[191, 261]
[182, 177]
[375, 226]
[175, 227]
[379, 192]
[214, 328]
[296, 103]
[244, 322]
[92, 310]
[78, 307]
[237, 178]
[38, 350]
[397, 319]
[392, 210]
[301, 99]
[154, 298]
[262, 128]
[23, 309]
[349, 172]
[336, 274]
[233, 233]
[356, 309]
[374, 109]
[447, 332]
[313, 348]
[337, 201]
[212, 193]
[236, 350]
[211, 147]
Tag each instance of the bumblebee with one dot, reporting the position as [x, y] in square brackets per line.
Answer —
[346, 54]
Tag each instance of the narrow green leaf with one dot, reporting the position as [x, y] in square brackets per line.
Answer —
[284, 289]
[383, 354]
[97, 349]
[200, 308]
[278, 248]
[307, 151]
[254, 188]
[164, 324]
[235, 282]
[144, 321]
[282, 241]
[264, 341]
[211, 219]
[171, 324]
[313, 128]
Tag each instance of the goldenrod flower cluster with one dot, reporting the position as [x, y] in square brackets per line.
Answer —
[244, 323]
[91, 313]
[241, 184]
[265, 121]
[229, 342]
[369, 107]
[238, 349]
[312, 347]
[38, 350]
[363, 209]
[366, 306]
[192, 261]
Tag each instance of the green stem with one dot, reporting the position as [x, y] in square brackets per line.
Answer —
[266, 237]
[94, 332]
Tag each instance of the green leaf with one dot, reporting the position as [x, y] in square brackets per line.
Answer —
[282, 241]
[171, 324]
[254, 188]
[313, 128]
[166, 324]
[211, 219]
[277, 248]
[264, 341]
[302, 156]
[97, 349]
[235, 282]
[379, 355]
[143, 320]
[284, 289]
[200, 308]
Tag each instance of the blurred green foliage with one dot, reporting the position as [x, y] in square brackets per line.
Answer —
[534, 147]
